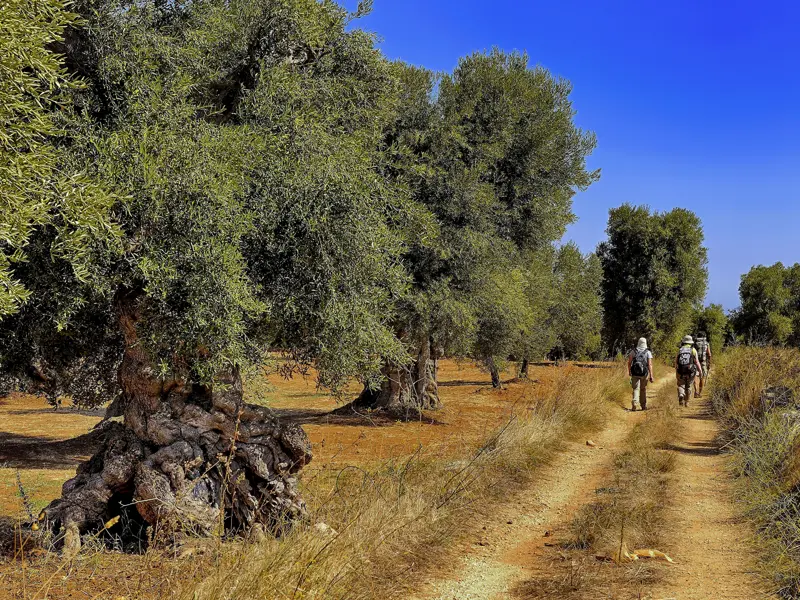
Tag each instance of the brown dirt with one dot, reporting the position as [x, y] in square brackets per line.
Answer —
[708, 539]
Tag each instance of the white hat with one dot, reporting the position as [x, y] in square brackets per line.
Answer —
[687, 339]
[642, 345]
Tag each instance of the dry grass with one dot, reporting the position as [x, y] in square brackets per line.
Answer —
[394, 501]
[628, 512]
[763, 438]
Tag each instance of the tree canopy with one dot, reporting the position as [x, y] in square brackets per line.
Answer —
[240, 139]
[770, 306]
[712, 321]
[577, 312]
[655, 273]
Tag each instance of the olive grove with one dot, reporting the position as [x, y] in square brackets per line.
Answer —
[188, 184]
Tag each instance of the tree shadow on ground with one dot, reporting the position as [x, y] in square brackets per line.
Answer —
[705, 414]
[24, 412]
[484, 383]
[19, 451]
[694, 448]
[351, 418]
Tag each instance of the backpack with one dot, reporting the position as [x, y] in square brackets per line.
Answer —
[639, 364]
[686, 361]
[702, 345]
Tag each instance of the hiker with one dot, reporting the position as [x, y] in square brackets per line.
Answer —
[704, 356]
[640, 370]
[687, 366]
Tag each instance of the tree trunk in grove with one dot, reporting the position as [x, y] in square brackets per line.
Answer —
[523, 369]
[495, 372]
[405, 390]
[187, 458]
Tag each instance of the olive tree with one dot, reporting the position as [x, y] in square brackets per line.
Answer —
[577, 312]
[770, 306]
[241, 144]
[495, 158]
[654, 274]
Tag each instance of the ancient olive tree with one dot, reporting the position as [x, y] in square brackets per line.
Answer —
[239, 142]
[654, 274]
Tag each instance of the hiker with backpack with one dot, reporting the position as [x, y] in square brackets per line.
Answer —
[704, 356]
[640, 370]
[687, 366]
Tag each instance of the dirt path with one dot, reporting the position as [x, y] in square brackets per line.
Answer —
[496, 565]
[713, 559]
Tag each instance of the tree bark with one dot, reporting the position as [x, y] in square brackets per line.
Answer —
[493, 370]
[405, 390]
[188, 458]
[523, 369]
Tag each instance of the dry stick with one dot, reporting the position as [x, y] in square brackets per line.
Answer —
[621, 541]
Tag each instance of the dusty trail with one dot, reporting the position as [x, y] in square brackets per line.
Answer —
[713, 558]
[709, 544]
[517, 531]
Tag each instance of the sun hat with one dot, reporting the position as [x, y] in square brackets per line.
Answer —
[642, 345]
[687, 339]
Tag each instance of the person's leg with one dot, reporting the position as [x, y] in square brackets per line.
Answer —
[681, 390]
[635, 384]
[702, 382]
[643, 394]
[689, 389]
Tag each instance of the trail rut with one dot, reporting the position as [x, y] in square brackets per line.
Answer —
[710, 539]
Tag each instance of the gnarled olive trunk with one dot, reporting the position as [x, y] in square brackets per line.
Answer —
[187, 457]
[405, 390]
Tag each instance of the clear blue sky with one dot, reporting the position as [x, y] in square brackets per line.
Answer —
[695, 104]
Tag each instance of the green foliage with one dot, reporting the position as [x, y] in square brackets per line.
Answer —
[712, 321]
[655, 273]
[577, 313]
[39, 193]
[770, 309]
[242, 140]
[272, 180]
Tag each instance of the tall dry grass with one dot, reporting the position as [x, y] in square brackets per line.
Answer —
[756, 394]
[376, 532]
